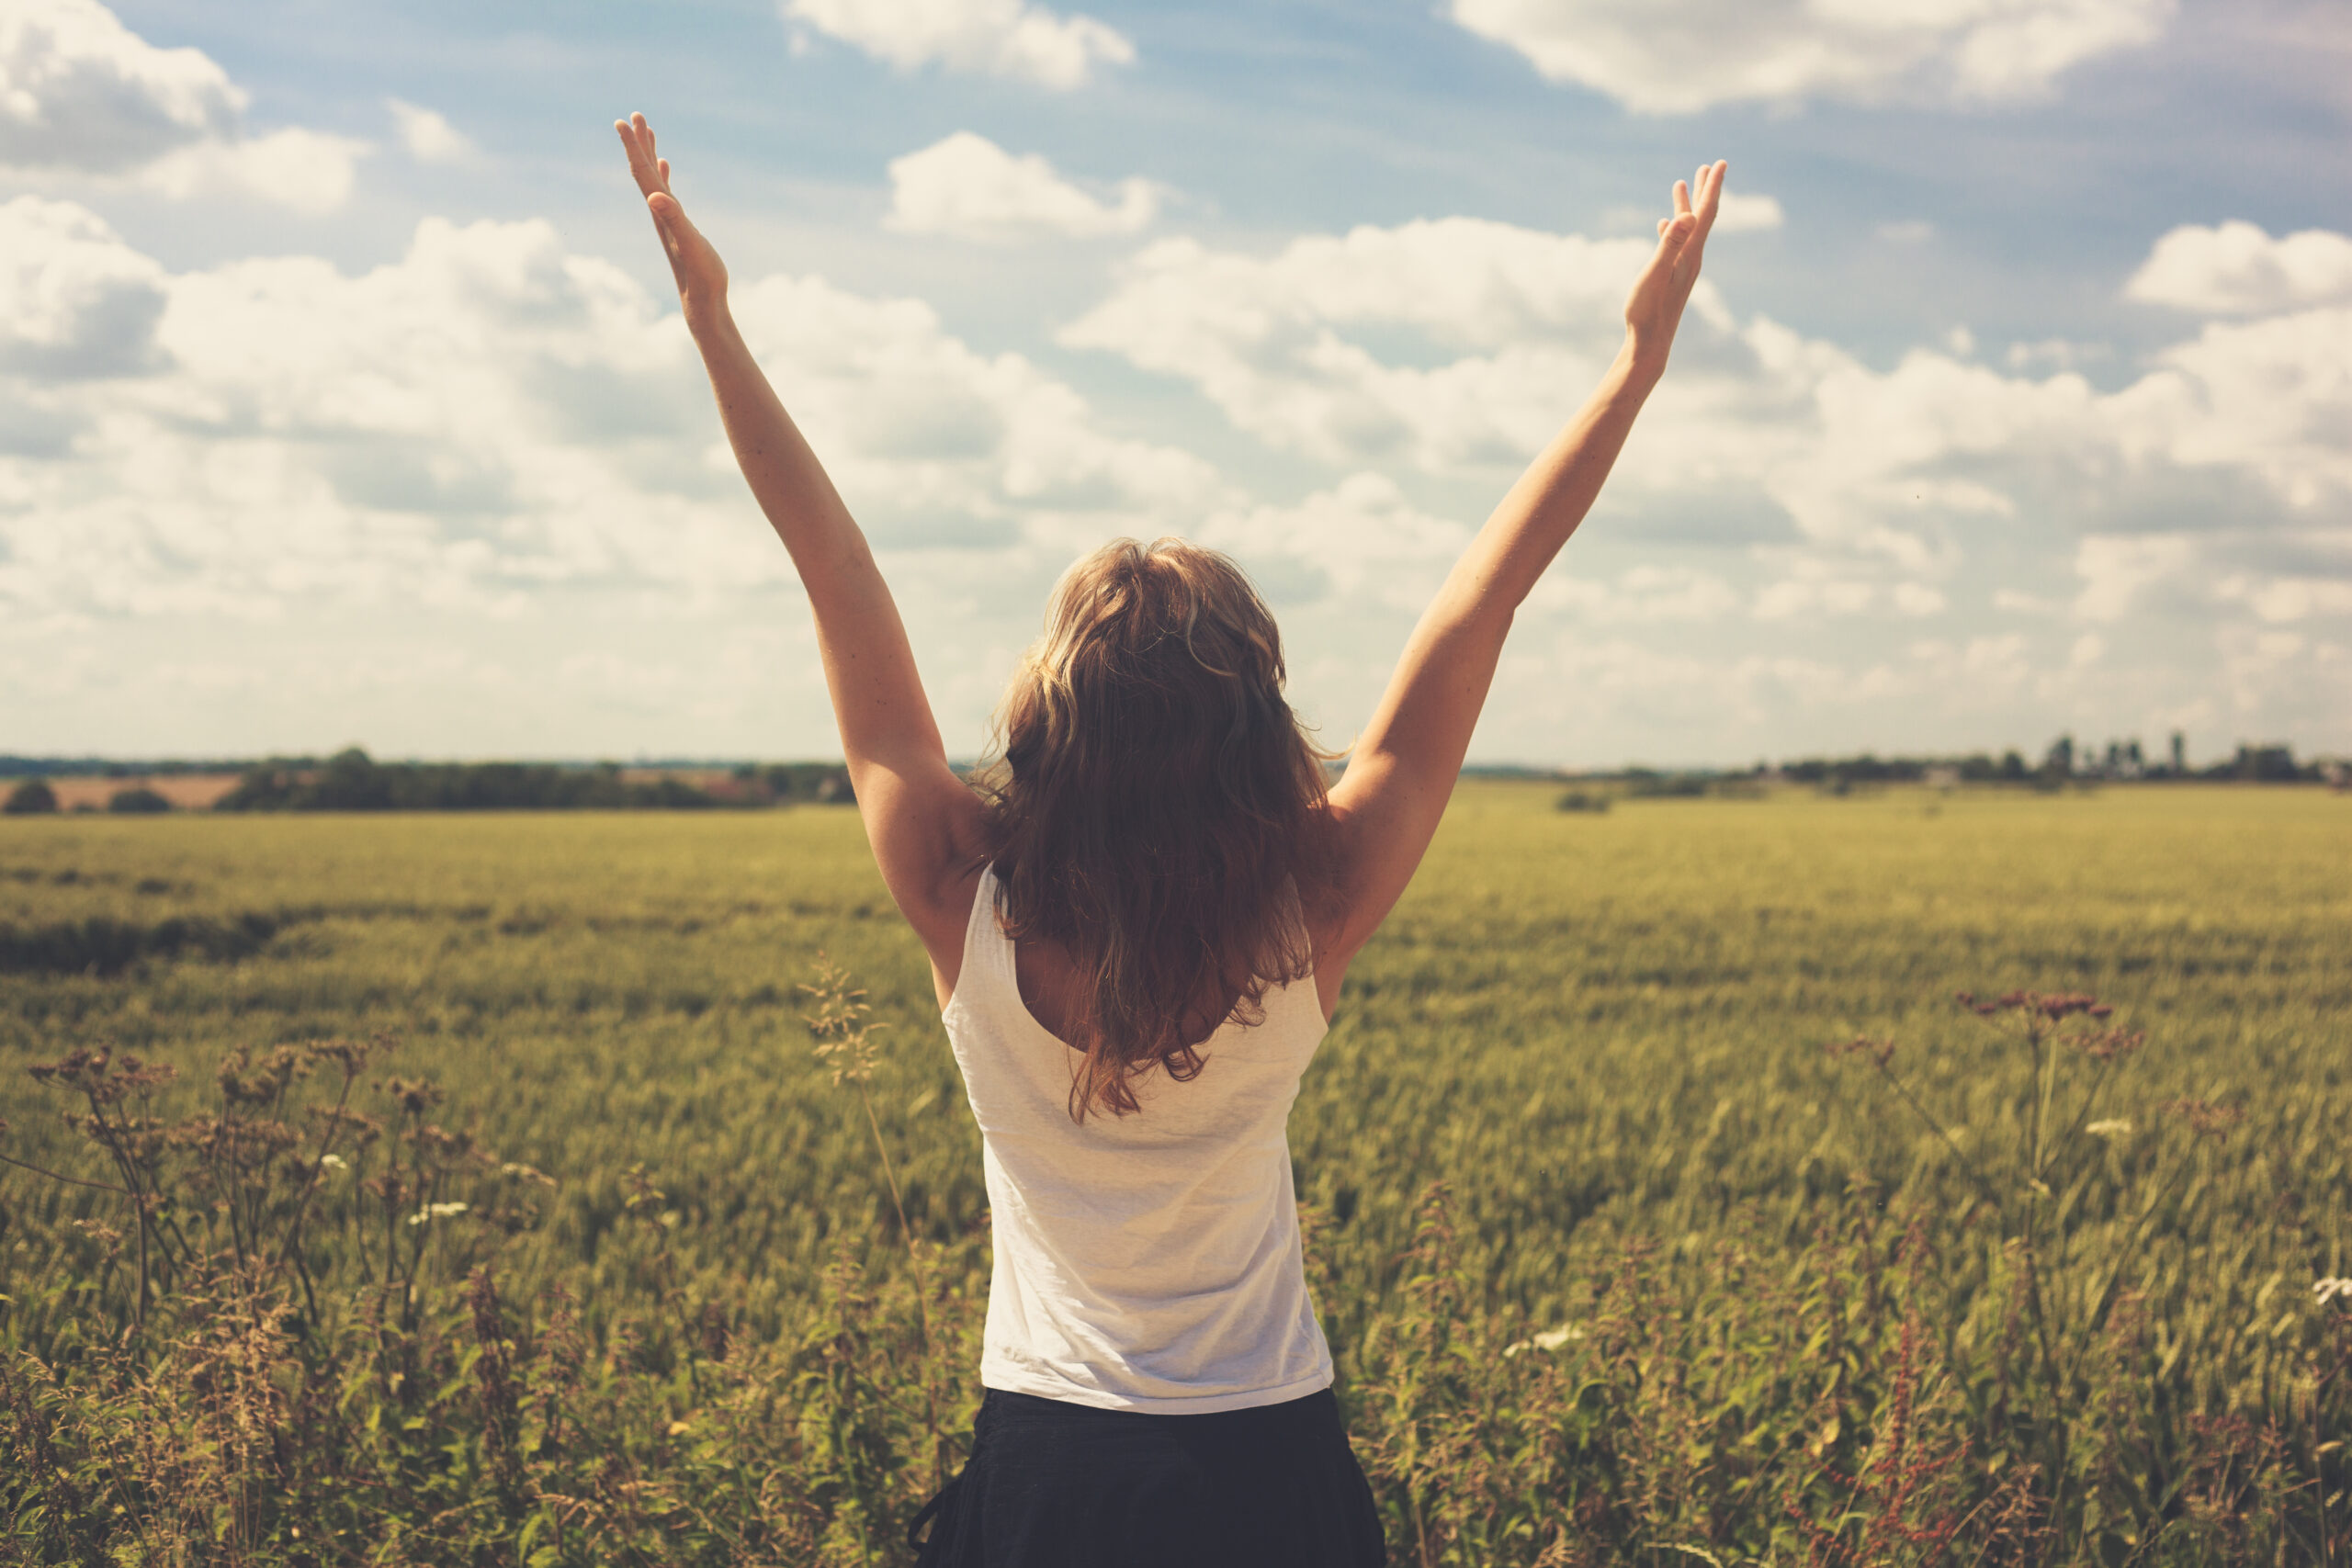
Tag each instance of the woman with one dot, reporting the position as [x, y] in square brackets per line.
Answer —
[1137, 932]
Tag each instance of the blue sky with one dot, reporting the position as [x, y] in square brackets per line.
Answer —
[342, 395]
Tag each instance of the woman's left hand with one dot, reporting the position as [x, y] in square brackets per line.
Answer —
[1654, 310]
[702, 276]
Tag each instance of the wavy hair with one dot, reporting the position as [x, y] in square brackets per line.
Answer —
[1156, 810]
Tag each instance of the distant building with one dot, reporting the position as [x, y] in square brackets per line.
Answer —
[2267, 764]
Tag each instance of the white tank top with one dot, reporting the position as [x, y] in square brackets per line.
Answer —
[1149, 1261]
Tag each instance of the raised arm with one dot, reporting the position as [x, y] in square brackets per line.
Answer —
[1386, 807]
[923, 823]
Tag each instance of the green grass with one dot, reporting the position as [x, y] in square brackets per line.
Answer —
[1592, 1028]
[1574, 1019]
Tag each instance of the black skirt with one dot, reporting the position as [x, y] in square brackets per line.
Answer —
[1055, 1485]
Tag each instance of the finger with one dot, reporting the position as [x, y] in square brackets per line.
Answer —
[636, 159]
[652, 174]
[669, 222]
[1711, 197]
[1681, 199]
[677, 229]
[1673, 235]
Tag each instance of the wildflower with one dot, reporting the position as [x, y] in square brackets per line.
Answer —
[1550, 1339]
[2329, 1289]
[1880, 1052]
[2115, 1127]
[431, 1211]
[330, 1162]
[2107, 1045]
[2206, 1118]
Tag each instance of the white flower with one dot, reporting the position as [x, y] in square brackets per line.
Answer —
[436, 1211]
[1550, 1339]
[330, 1162]
[2118, 1128]
[2331, 1289]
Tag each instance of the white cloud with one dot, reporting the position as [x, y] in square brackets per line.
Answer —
[996, 38]
[2275, 674]
[306, 170]
[2237, 269]
[81, 93]
[2272, 396]
[1745, 211]
[1362, 538]
[1642, 595]
[967, 186]
[428, 136]
[74, 300]
[1681, 56]
[2117, 568]
[1917, 599]
[1813, 595]
[1261, 337]
[2280, 601]
[2054, 353]
[484, 421]
[1457, 346]
[943, 442]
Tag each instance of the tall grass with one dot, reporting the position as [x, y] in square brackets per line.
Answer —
[1620, 1264]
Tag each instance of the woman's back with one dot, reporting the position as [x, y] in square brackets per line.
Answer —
[1148, 1261]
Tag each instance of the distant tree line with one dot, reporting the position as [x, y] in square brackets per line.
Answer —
[2061, 766]
[12, 766]
[2063, 762]
[352, 781]
[31, 796]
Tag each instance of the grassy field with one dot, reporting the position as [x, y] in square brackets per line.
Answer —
[1603, 1032]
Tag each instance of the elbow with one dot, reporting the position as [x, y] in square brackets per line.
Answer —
[1481, 610]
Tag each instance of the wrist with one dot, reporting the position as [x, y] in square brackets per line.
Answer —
[1643, 363]
[707, 322]
[1643, 359]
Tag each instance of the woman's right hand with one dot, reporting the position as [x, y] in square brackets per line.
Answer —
[702, 276]
[1654, 310]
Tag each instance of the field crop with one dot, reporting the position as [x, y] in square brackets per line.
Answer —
[1618, 1261]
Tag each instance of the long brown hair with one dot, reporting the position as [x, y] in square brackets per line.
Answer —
[1155, 805]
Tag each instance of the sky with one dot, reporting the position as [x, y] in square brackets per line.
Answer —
[344, 397]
